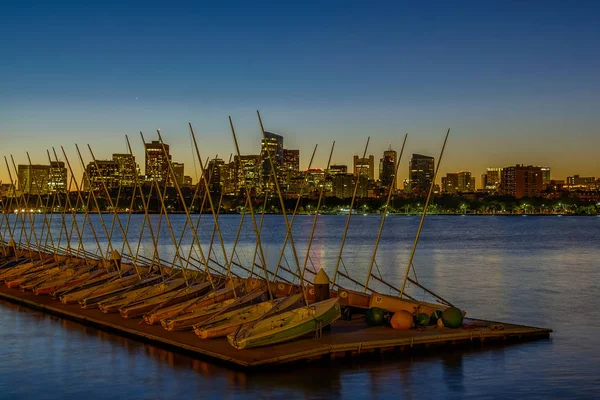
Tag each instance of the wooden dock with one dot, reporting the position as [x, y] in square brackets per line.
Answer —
[347, 339]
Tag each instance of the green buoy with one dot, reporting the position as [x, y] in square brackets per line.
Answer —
[374, 316]
[437, 314]
[452, 317]
[422, 319]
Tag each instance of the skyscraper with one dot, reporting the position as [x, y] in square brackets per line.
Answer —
[291, 165]
[214, 170]
[57, 177]
[271, 146]
[42, 179]
[178, 171]
[157, 167]
[521, 181]
[387, 168]
[490, 180]
[248, 171]
[421, 171]
[343, 185]
[366, 166]
[466, 182]
[450, 183]
[101, 174]
[121, 171]
[546, 175]
[127, 169]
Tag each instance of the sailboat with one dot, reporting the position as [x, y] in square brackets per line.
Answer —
[288, 325]
[114, 304]
[229, 322]
[291, 324]
[140, 307]
[369, 298]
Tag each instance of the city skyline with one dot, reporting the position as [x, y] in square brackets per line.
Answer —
[516, 83]
[256, 171]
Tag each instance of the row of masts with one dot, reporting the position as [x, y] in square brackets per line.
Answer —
[214, 266]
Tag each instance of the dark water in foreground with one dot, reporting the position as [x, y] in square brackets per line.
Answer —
[540, 271]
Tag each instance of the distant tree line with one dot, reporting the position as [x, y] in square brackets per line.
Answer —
[440, 204]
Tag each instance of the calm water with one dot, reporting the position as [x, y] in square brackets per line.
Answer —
[541, 271]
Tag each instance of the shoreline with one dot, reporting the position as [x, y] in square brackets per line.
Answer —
[341, 213]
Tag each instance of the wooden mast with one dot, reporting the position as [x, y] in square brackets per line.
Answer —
[197, 225]
[146, 219]
[412, 254]
[6, 219]
[167, 218]
[339, 259]
[392, 189]
[314, 224]
[80, 199]
[283, 211]
[115, 214]
[251, 207]
[25, 205]
[211, 205]
[73, 212]
[287, 234]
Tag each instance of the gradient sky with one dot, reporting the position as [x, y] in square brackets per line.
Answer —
[517, 82]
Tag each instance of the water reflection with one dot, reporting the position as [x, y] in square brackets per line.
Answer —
[535, 271]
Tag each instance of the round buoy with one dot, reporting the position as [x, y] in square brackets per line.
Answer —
[452, 317]
[387, 316]
[374, 316]
[437, 314]
[422, 319]
[402, 320]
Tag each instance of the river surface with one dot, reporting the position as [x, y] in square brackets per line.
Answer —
[539, 271]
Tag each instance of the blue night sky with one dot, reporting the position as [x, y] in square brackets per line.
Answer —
[517, 82]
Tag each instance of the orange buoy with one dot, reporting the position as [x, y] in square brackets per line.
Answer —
[402, 320]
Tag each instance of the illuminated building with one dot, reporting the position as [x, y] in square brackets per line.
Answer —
[271, 146]
[127, 169]
[458, 182]
[450, 183]
[343, 185]
[291, 163]
[336, 169]
[546, 175]
[178, 171]
[315, 178]
[290, 170]
[490, 180]
[42, 179]
[366, 166]
[215, 174]
[577, 180]
[247, 169]
[421, 172]
[157, 167]
[100, 174]
[7, 190]
[521, 181]
[387, 168]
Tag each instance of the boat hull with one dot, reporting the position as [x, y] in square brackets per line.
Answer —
[140, 308]
[395, 304]
[302, 322]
